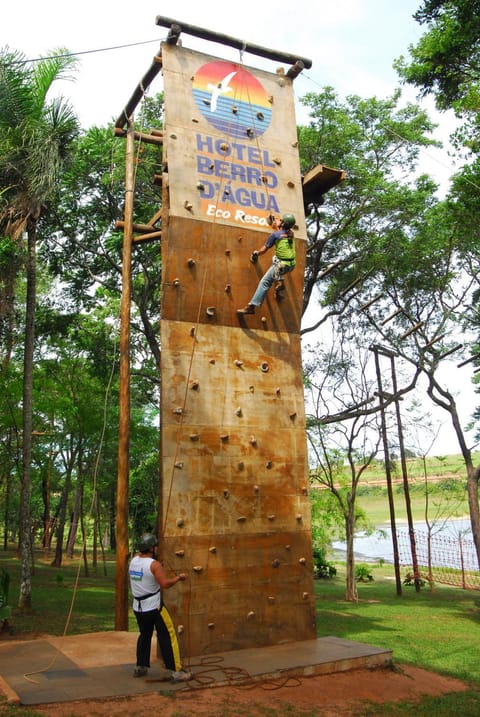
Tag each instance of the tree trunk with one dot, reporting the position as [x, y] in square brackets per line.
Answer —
[448, 403]
[62, 512]
[351, 592]
[25, 596]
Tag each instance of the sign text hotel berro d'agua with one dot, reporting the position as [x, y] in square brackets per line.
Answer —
[233, 153]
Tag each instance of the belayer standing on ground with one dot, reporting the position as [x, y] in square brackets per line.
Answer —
[148, 581]
[283, 262]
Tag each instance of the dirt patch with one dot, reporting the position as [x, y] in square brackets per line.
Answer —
[332, 695]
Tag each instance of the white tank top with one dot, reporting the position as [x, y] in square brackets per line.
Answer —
[142, 582]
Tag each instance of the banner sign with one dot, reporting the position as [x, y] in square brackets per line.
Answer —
[230, 141]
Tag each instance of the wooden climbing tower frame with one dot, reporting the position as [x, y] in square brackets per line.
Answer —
[235, 510]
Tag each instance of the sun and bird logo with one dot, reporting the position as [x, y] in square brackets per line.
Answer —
[232, 100]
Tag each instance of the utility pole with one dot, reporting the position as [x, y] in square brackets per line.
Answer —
[121, 586]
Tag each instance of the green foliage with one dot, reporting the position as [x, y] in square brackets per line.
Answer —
[409, 579]
[446, 59]
[363, 573]
[322, 567]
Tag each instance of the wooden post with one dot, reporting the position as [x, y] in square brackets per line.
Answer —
[121, 585]
[406, 487]
[388, 475]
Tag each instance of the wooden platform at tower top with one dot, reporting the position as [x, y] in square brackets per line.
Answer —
[235, 511]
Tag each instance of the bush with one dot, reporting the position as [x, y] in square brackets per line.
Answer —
[363, 574]
[322, 568]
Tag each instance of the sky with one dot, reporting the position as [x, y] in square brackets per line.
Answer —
[352, 45]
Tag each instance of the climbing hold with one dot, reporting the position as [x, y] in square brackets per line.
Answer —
[253, 441]
[224, 437]
[250, 615]
[195, 119]
[179, 553]
[194, 436]
[200, 186]
[191, 262]
[305, 490]
[194, 385]
[276, 563]
[238, 363]
[304, 596]
[264, 319]
[264, 367]
[226, 494]
[288, 547]
[176, 282]
[272, 516]
[188, 205]
[210, 311]
[241, 519]
[241, 465]
[227, 252]
[302, 561]
[268, 464]
[192, 331]
[212, 361]
[290, 184]
[212, 549]
[211, 625]
[251, 389]
[293, 416]
[277, 391]
[173, 136]
[228, 288]
[249, 132]
[197, 568]
[179, 464]
[299, 518]
[271, 599]
[234, 109]
[178, 411]
[260, 116]
[180, 523]
[277, 160]
[256, 489]
[238, 411]
[180, 629]
[224, 147]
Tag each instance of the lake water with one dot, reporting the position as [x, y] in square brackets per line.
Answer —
[378, 545]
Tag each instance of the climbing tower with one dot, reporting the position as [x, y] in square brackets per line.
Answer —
[234, 506]
[235, 502]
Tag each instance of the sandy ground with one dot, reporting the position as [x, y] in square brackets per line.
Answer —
[326, 696]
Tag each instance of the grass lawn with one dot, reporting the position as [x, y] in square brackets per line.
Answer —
[437, 630]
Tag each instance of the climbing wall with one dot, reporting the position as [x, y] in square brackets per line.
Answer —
[235, 505]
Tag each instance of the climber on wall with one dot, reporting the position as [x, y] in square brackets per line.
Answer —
[282, 263]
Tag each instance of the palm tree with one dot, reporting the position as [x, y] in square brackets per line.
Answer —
[36, 137]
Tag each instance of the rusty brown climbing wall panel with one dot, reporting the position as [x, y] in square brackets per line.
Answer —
[235, 504]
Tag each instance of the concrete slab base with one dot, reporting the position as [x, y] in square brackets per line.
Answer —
[100, 665]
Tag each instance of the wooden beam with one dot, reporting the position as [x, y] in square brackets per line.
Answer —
[177, 27]
[148, 138]
[145, 228]
[139, 91]
[147, 237]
